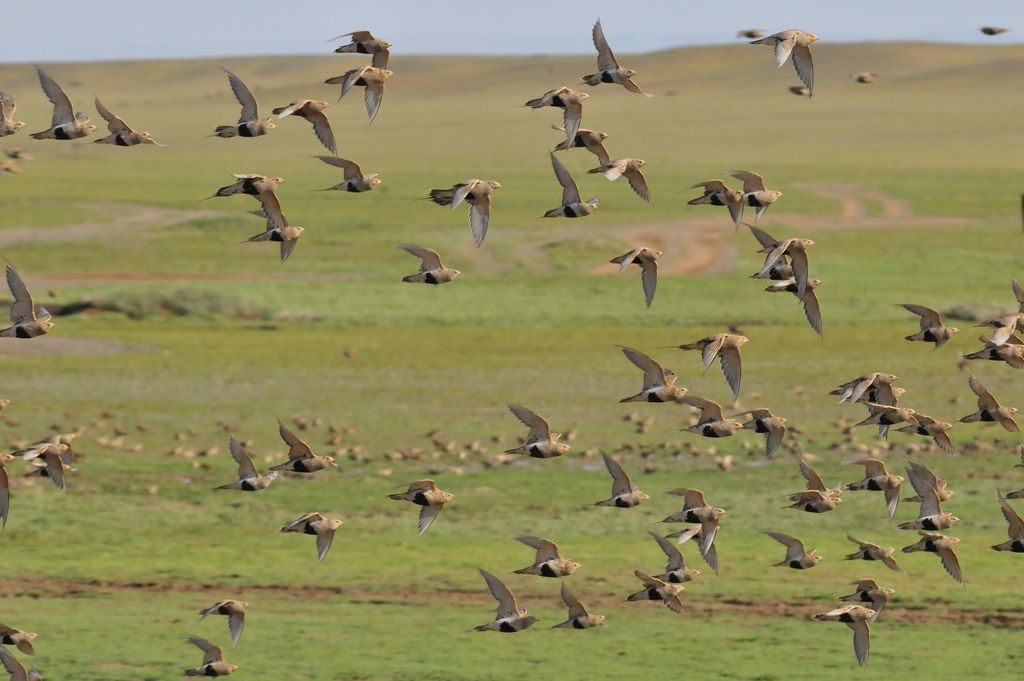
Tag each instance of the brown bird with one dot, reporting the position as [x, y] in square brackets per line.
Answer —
[624, 494]
[65, 123]
[943, 546]
[314, 112]
[1011, 352]
[249, 480]
[213, 663]
[726, 348]
[8, 126]
[717, 193]
[657, 590]
[755, 193]
[878, 479]
[263, 189]
[579, 616]
[993, 30]
[121, 134]
[865, 77]
[698, 511]
[1005, 326]
[796, 249]
[572, 205]
[817, 498]
[797, 557]
[885, 415]
[364, 42]
[9, 168]
[857, 618]
[249, 122]
[812, 308]
[1014, 530]
[694, 532]
[875, 387]
[929, 427]
[372, 78]
[540, 443]
[676, 571]
[509, 618]
[16, 670]
[659, 383]
[564, 98]
[432, 270]
[647, 259]
[52, 460]
[319, 525]
[608, 68]
[28, 320]
[931, 516]
[932, 328]
[427, 494]
[767, 423]
[781, 269]
[630, 167]
[235, 611]
[870, 551]
[477, 193]
[586, 139]
[9, 636]
[750, 33]
[796, 44]
[710, 422]
[868, 591]
[5, 488]
[301, 458]
[548, 562]
[989, 409]
[925, 481]
[355, 181]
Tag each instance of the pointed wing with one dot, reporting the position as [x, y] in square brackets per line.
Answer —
[372, 97]
[1016, 523]
[752, 182]
[351, 168]
[638, 182]
[287, 246]
[929, 317]
[23, 310]
[55, 468]
[236, 621]
[297, 449]
[246, 469]
[427, 515]
[114, 124]
[709, 409]
[732, 367]
[794, 547]
[63, 112]
[783, 48]
[380, 58]
[605, 57]
[649, 581]
[462, 190]
[798, 259]
[654, 374]
[620, 481]
[861, 640]
[804, 65]
[675, 556]
[985, 398]
[950, 563]
[1018, 290]
[546, 550]
[630, 85]
[322, 130]
[211, 652]
[775, 434]
[812, 310]
[766, 240]
[572, 117]
[480, 218]
[324, 539]
[272, 209]
[431, 260]
[7, 107]
[250, 110]
[507, 606]
[892, 500]
[570, 192]
[576, 609]
[814, 480]
[5, 494]
[13, 667]
[539, 428]
[921, 478]
[649, 278]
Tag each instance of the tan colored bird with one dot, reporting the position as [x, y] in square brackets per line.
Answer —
[818, 497]
[355, 181]
[213, 663]
[944, 547]
[249, 480]
[477, 193]
[548, 562]
[608, 68]
[65, 123]
[796, 249]
[694, 532]
[301, 458]
[796, 44]
[659, 383]
[800, 90]
[1011, 352]
[286, 234]
[9, 168]
[885, 415]
[698, 511]
[28, 320]
[875, 387]
[726, 348]
[52, 460]
[624, 493]
[589, 140]
[249, 122]
[717, 193]
[1005, 326]
[364, 42]
[5, 488]
[1014, 530]
[4, 404]
[858, 619]
[931, 516]
[929, 427]
[264, 189]
[812, 308]
[9, 636]
[372, 78]
[932, 328]
[993, 30]
[755, 193]
[647, 259]
[1018, 290]
[314, 112]
[8, 126]
[16, 670]
[989, 409]
[868, 591]
[319, 525]
[925, 482]
[657, 590]
[750, 33]
[711, 422]
[630, 167]
[878, 479]
[572, 205]
[870, 551]
[764, 422]
[676, 571]
[564, 98]
[429, 496]
[121, 134]
[509, 618]
[20, 154]
[797, 557]
[540, 443]
[864, 77]
[781, 270]
[432, 270]
[235, 611]
[579, 616]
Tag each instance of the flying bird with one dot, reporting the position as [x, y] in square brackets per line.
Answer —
[9, 636]
[676, 571]
[659, 383]
[858, 619]
[764, 422]
[8, 126]
[314, 112]
[540, 443]
[572, 205]
[710, 421]
[755, 193]
[429, 496]
[355, 181]
[647, 259]
[750, 33]
[372, 78]
[624, 494]
[65, 123]
[364, 42]
[944, 547]
[717, 193]
[1014, 530]
[796, 44]
[432, 270]
[993, 30]
[797, 557]
[121, 134]
[564, 98]
[924, 482]
[548, 562]
[922, 424]
[868, 591]
[249, 480]
[726, 348]
[235, 612]
[28, 320]
[812, 308]
[589, 140]
[931, 516]
[579, 617]
[657, 590]
[16, 670]
[213, 663]
[878, 479]
[871, 551]
[864, 77]
[249, 122]
[818, 497]
[1011, 352]
[320, 526]
[698, 511]
[989, 409]
[932, 328]
[608, 68]
[477, 193]
[301, 458]
[509, 618]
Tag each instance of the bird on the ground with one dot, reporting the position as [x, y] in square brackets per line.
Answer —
[572, 205]
[608, 68]
[858, 619]
[586, 139]
[868, 591]
[717, 193]
[355, 181]
[564, 98]
[878, 479]
[630, 167]
[540, 443]
[871, 551]
[579, 617]
[65, 124]
[9, 636]
[372, 78]
[28, 320]
[796, 44]
[548, 562]
[432, 270]
[755, 193]
[944, 547]
[659, 383]
[726, 348]
[657, 590]
[676, 571]
[509, 618]
[121, 134]
[319, 525]
[818, 497]
[989, 409]
[797, 557]
[16, 670]
[249, 122]
[477, 193]
[429, 496]
[647, 259]
[710, 421]
[929, 427]
[235, 612]
[314, 112]
[812, 308]
[364, 42]
[624, 493]
[768, 424]
[249, 480]
[8, 126]
[864, 77]
[1014, 529]
[213, 663]
[301, 458]
[932, 328]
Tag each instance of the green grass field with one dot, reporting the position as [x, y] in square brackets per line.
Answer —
[909, 189]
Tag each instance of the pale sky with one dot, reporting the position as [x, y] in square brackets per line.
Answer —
[62, 30]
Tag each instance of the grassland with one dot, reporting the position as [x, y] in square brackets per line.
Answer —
[112, 572]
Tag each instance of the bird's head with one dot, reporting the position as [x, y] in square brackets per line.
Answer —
[630, 73]
[455, 274]
[494, 184]
[329, 460]
[601, 135]
[572, 566]
[269, 124]
[810, 37]
[375, 181]
[388, 74]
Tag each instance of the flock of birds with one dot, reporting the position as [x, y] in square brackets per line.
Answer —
[786, 264]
